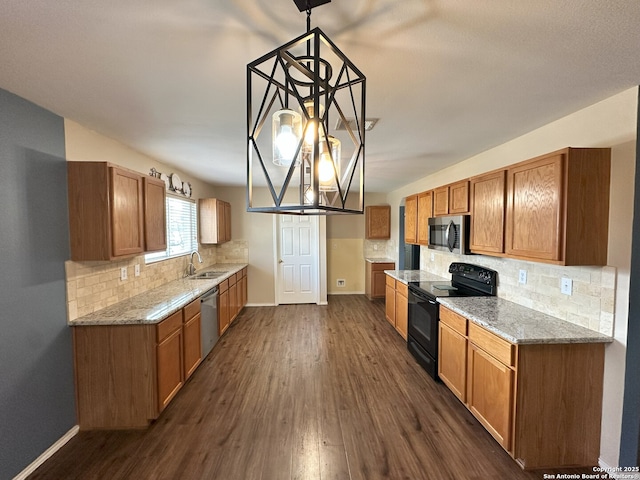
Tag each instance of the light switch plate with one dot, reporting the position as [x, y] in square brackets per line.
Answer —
[566, 286]
[522, 277]
[433, 257]
[136, 270]
[123, 273]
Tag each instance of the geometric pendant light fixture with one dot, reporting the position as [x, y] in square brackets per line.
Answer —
[298, 162]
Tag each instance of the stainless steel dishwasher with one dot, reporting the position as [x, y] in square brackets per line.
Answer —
[209, 320]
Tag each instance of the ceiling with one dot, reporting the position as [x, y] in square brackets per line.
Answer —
[448, 78]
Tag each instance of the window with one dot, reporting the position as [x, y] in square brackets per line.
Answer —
[182, 229]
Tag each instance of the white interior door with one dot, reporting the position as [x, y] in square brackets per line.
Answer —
[297, 259]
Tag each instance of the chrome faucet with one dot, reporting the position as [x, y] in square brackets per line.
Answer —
[191, 269]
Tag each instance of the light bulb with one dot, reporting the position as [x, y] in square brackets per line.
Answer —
[287, 131]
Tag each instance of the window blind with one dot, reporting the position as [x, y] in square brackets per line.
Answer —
[182, 229]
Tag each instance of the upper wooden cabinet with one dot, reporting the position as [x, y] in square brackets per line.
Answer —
[488, 193]
[107, 206]
[558, 207]
[215, 220]
[155, 217]
[411, 219]
[378, 222]
[425, 211]
[452, 199]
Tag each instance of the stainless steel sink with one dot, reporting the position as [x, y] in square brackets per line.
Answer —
[206, 275]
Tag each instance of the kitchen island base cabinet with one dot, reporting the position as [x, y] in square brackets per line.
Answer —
[375, 284]
[541, 402]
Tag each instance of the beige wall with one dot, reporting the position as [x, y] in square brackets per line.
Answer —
[610, 123]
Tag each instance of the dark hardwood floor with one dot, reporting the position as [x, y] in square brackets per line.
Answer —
[301, 392]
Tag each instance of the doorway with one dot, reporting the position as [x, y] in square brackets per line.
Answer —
[297, 259]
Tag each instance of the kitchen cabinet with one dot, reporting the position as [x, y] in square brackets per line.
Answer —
[558, 207]
[224, 315]
[374, 284]
[127, 374]
[490, 387]
[411, 219]
[452, 348]
[232, 297]
[169, 358]
[214, 221]
[112, 211]
[192, 345]
[488, 198]
[377, 222]
[529, 397]
[397, 305]
[452, 199]
[155, 217]
[425, 211]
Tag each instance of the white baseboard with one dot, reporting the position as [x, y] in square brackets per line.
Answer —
[47, 454]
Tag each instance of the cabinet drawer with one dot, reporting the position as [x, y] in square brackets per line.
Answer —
[244, 272]
[168, 326]
[233, 279]
[453, 320]
[492, 344]
[191, 310]
[402, 289]
[223, 286]
[377, 267]
[391, 281]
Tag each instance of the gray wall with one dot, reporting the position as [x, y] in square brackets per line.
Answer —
[37, 402]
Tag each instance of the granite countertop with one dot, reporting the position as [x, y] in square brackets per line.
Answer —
[155, 305]
[406, 276]
[379, 260]
[518, 324]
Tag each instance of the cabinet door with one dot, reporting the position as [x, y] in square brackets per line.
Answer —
[125, 196]
[155, 229]
[192, 345]
[377, 222]
[411, 219]
[390, 300]
[169, 368]
[441, 201]
[425, 211]
[379, 284]
[459, 197]
[233, 300]
[452, 361]
[223, 311]
[490, 394]
[243, 288]
[487, 213]
[534, 208]
[402, 310]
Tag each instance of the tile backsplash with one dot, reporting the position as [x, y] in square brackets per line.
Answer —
[590, 305]
[92, 286]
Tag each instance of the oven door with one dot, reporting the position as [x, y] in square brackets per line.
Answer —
[422, 339]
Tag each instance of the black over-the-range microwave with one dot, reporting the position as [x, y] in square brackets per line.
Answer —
[450, 234]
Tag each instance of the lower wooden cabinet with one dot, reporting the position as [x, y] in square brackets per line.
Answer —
[127, 374]
[169, 359]
[397, 305]
[490, 394]
[232, 297]
[541, 402]
[374, 280]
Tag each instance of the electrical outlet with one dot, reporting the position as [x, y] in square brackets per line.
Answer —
[341, 282]
[123, 273]
[433, 257]
[136, 270]
[566, 286]
[522, 278]
[375, 246]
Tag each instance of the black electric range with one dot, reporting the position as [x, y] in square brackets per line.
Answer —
[467, 280]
